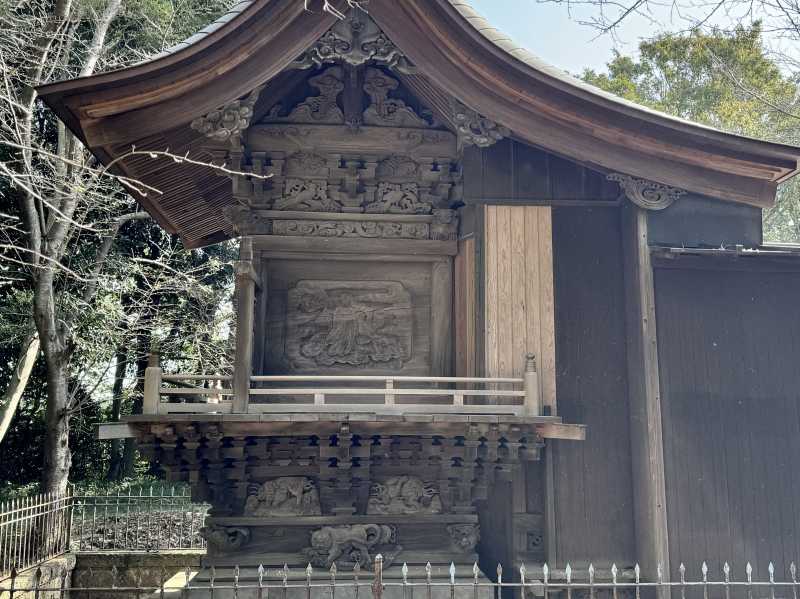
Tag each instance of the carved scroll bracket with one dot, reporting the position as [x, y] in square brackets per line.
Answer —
[228, 122]
[475, 129]
[646, 194]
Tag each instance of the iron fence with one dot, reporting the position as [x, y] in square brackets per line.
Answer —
[429, 582]
[36, 528]
[146, 519]
[33, 529]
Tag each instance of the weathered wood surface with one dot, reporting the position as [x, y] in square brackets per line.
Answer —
[518, 291]
[697, 221]
[593, 494]
[644, 395]
[511, 172]
[728, 347]
[464, 308]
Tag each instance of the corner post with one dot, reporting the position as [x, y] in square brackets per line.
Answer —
[533, 402]
[246, 280]
[644, 396]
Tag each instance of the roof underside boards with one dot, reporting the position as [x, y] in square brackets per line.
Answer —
[458, 54]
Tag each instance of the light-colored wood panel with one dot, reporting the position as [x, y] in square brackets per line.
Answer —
[519, 307]
[547, 350]
[490, 291]
[518, 283]
[505, 320]
[533, 317]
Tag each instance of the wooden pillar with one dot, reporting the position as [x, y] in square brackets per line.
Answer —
[441, 317]
[647, 446]
[246, 280]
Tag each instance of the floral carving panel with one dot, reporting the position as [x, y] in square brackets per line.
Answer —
[342, 324]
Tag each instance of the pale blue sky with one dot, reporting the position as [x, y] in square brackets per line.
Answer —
[549, 30]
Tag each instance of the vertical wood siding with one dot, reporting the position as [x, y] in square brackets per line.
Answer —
[518, 291]
[593, 489]
[729, 343]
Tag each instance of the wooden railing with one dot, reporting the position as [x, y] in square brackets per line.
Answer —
[186, 393]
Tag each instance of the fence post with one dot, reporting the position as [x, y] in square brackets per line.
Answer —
[533, 404]
[152, 386]
[377, 583]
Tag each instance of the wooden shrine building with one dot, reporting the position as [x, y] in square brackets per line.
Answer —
[484, 310]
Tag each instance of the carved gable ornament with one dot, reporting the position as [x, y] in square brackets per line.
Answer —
[646, 194]
[354, 40]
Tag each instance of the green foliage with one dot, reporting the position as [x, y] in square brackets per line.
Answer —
[725, 80]
[151, 294]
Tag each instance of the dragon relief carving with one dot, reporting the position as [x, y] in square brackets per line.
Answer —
[349, 323]
[385, 111]
[284, 496]
[404, 495]
[352, 544]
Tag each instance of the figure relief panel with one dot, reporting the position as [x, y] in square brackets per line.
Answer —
[346, 324]
[284, 496]
[404, 494]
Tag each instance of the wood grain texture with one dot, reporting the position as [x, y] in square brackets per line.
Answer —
[729, 381]
[519, 310]
[647, 447]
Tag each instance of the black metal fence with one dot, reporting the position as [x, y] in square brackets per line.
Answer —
[428, 582]
[36, 528]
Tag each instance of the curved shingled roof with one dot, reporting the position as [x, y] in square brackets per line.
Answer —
[457, 52]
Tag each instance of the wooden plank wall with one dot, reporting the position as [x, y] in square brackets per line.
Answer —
[518, 293]
[593, 497]
[729, 342]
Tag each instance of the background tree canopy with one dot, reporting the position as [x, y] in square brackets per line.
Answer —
[722, 79]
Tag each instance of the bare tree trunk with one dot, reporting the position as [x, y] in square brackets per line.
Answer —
[143, 347]
[16, 386]
[115, 467]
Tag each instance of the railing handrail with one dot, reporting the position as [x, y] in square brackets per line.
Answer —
[285, 378]
[388, 386]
